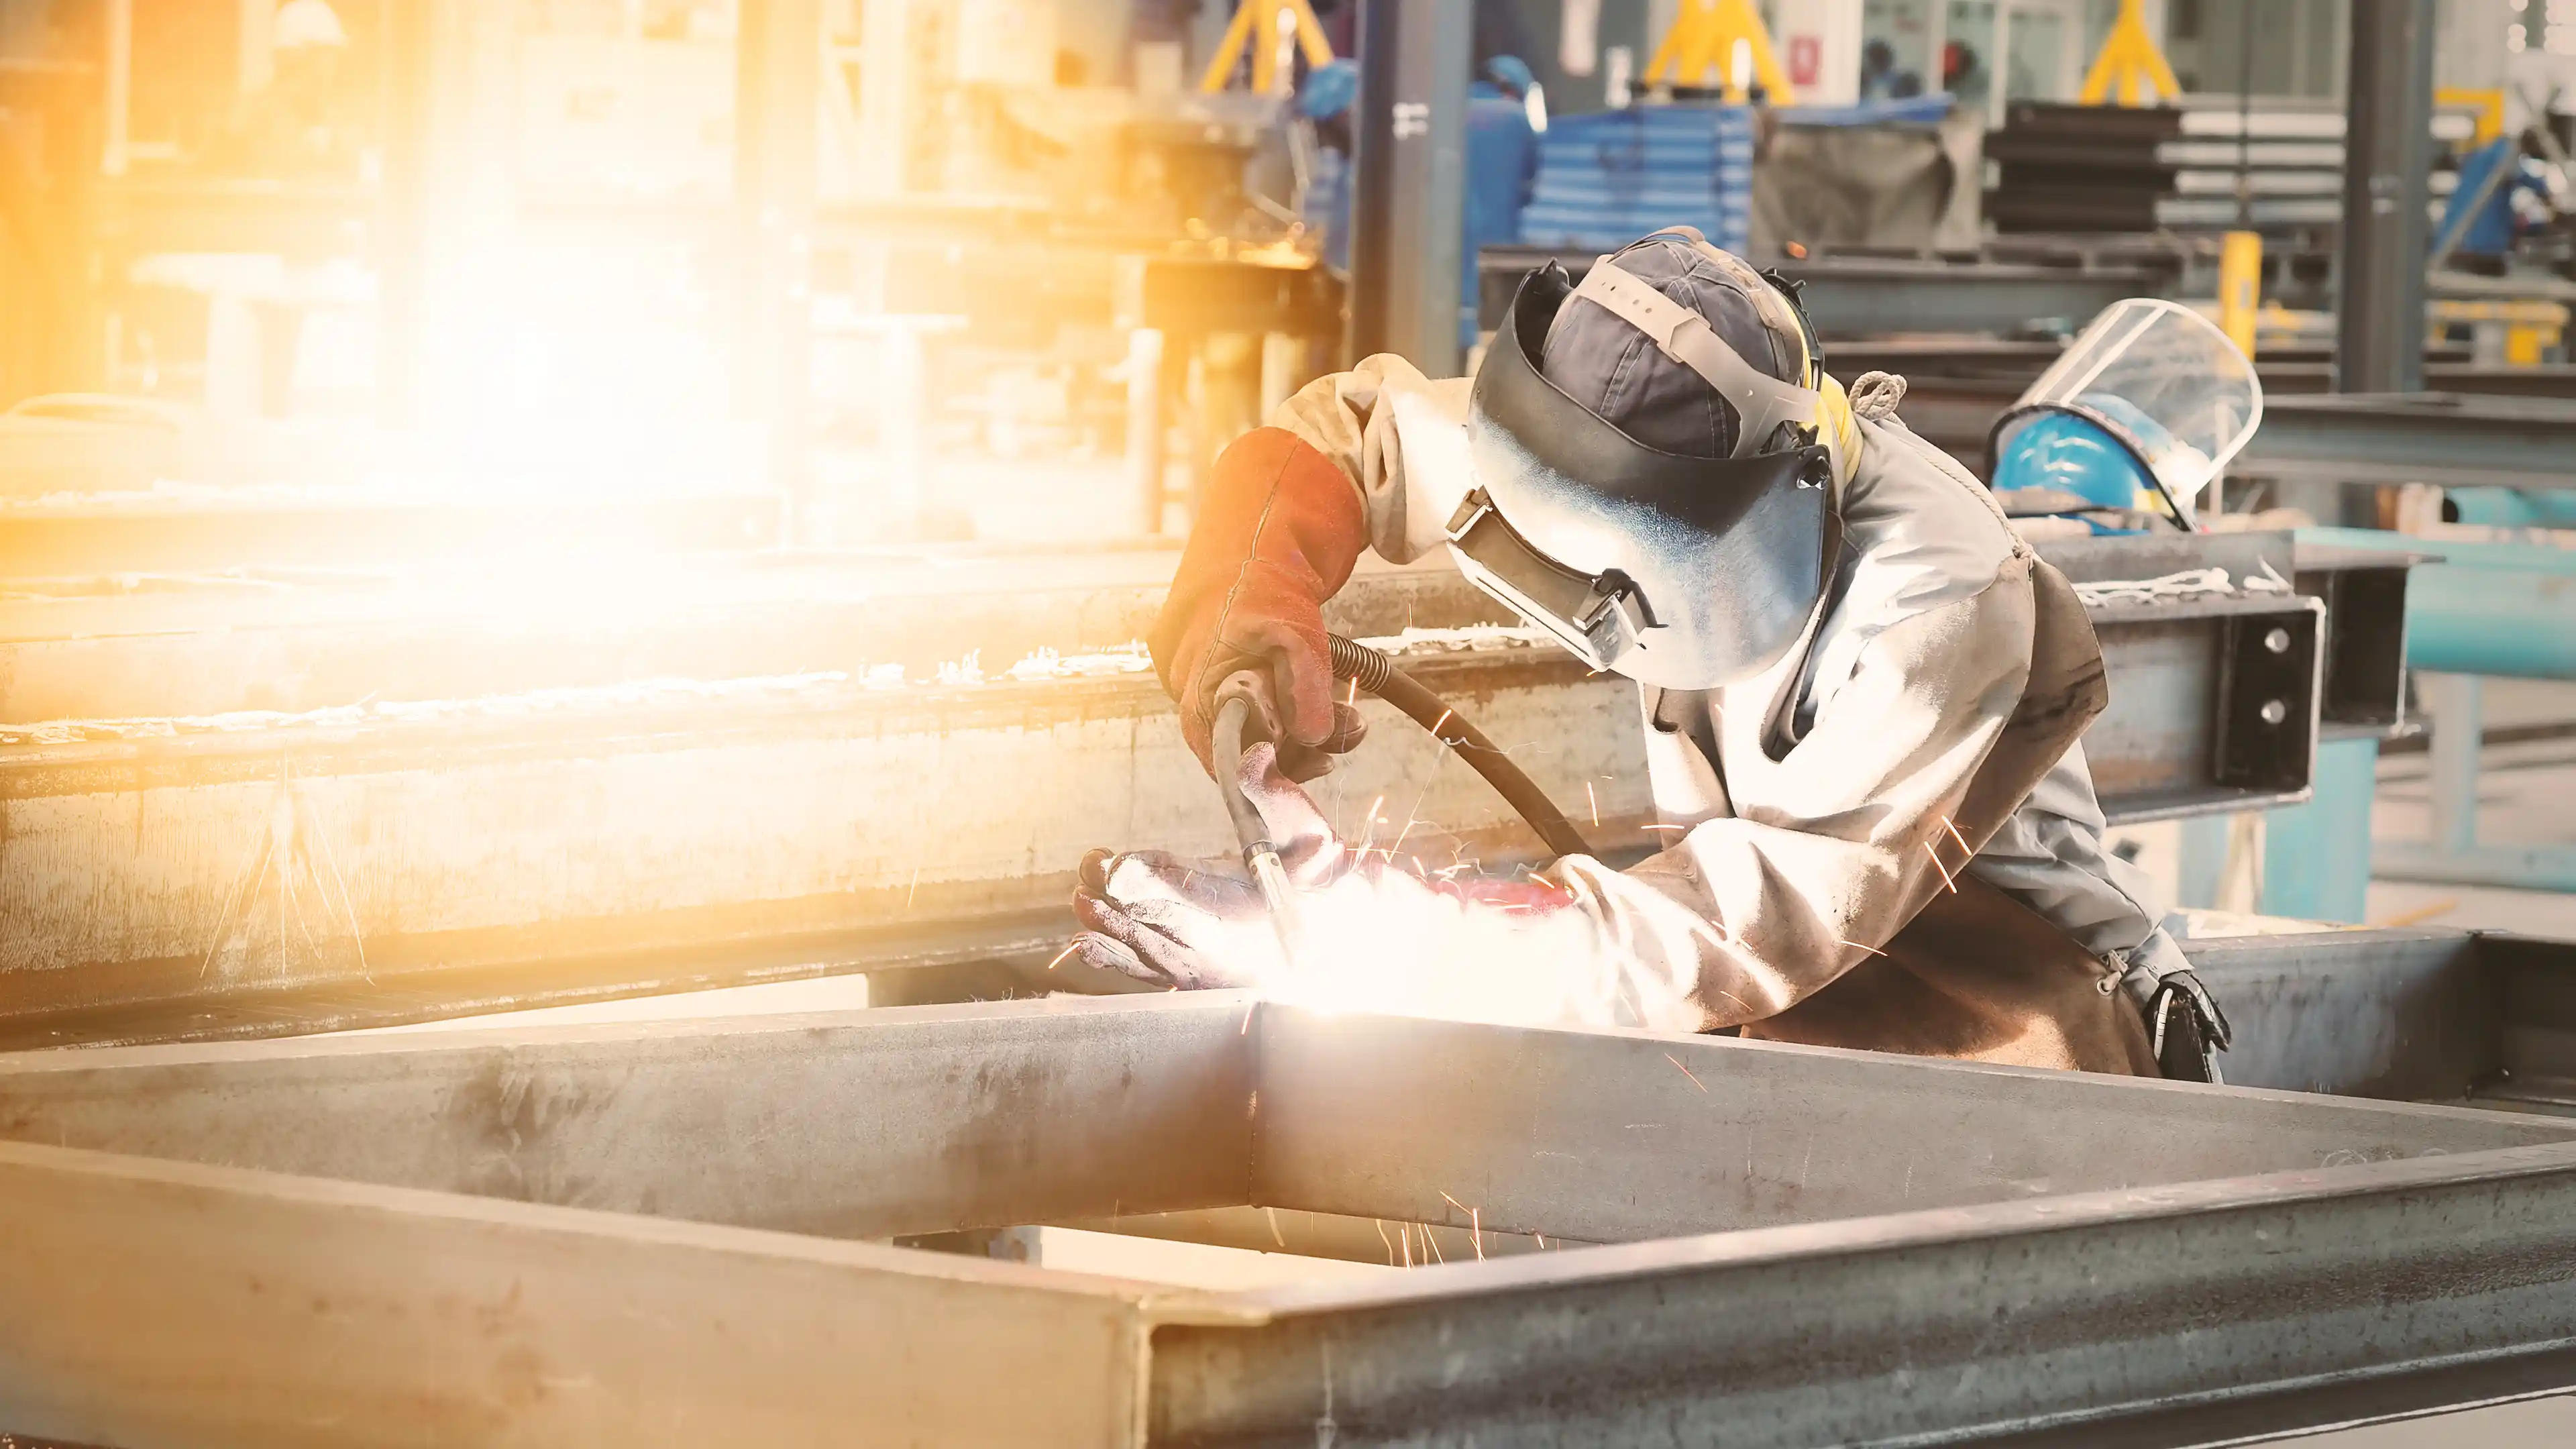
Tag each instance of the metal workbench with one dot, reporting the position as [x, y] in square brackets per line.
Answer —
[653, 1234]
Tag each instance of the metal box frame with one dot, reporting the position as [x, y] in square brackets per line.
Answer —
[645, 1234]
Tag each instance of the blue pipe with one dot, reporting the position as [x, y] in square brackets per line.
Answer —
[2514, 507]
[2487, 608]
[2462, 621]
[2536, 558]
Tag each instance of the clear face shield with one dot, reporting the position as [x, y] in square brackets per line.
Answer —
[2164, 382]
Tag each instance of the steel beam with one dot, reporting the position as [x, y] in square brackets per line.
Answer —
[1516, 1131]
[867, 1124]
[186, 1304]
[2083, 1314]
[2412, 1015]
[2388, 101]
[762, 829]
[2304, 434]
[2448, 439]
[912, 1120]
[2215, 700]
[520, 823]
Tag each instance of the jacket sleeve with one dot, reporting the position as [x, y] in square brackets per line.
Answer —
[1399, 437]
[1835, 846]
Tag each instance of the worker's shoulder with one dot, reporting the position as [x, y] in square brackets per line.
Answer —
[1922, 532]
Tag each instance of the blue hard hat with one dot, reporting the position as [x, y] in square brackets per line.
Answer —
[1512, 74]
[2070, 453]
[1330, 89]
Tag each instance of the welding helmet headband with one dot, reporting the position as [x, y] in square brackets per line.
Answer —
[1682, 572]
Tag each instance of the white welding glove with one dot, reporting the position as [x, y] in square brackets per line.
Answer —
[1380, 934]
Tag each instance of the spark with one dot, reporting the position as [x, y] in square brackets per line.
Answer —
[1352, 701]
[1246, 1028]
[1683, 828]
[1685, 1071]
[1435, 729]
[1596, 804]
[357, 937]
[1965, 849]
[1069, 948]
[1857, 946]
[1933, 849]
[910, 889]
[1540, 1239]
[1276, 1236]
[1475, 1222]
[1383, 1238]
[1399, 839]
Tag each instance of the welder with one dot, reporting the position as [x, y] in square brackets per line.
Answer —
[1863, 692]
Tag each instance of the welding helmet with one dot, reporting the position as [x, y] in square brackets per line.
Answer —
[2150, 399]
[1655, 454]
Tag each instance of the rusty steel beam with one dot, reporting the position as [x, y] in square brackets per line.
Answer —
[512, 819]
[424, 861]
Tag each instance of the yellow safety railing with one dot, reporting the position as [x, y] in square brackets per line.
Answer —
[1259, 24]
[2487, 102]
[1706, 38]
[2130, 64]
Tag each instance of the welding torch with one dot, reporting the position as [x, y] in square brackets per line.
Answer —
[1373, 672]
[1260, 853]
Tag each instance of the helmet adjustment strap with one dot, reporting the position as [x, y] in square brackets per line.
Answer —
[1761, 402]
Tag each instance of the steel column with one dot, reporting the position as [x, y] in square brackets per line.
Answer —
[2388, 109]
[1410, 182]
[778, 76]
[2316, 856]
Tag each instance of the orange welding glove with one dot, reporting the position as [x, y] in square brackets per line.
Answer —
[1276, 537]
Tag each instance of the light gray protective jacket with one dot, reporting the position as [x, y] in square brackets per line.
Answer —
[1898, 810]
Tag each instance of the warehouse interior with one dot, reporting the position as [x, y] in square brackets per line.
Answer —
[582, 580]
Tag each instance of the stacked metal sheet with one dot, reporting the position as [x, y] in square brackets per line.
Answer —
[1605, 180]
[2067, 168]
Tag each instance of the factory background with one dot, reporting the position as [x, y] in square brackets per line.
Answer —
[572, 587]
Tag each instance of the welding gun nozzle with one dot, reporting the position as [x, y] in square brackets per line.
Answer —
[1278, 897]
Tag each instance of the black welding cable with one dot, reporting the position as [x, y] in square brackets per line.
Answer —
[1377, 674]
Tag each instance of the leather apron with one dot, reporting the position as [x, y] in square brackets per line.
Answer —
[1976, 974]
